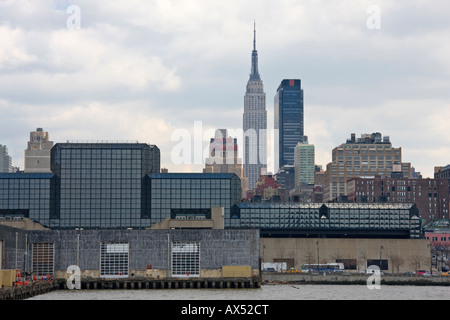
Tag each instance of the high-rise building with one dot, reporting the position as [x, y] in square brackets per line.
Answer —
[37, 155]
[255, 124]
[304, 163]
[223, 157]
[102, 185]
[5, 160]
[369, 155]
[288, 117]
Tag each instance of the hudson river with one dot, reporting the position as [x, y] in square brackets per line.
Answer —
[266, 292]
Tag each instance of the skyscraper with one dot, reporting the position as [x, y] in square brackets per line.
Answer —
[5, 160]
[288, 120]
[223, 157]
[304, 163]
[255, 123]
[37, 155]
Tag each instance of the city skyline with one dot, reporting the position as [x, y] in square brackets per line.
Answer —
[100, 80]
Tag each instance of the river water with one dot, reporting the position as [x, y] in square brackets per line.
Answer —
[266, 292]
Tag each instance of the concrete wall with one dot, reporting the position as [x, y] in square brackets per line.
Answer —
[146, 248]
[408, 252]
[13, 251]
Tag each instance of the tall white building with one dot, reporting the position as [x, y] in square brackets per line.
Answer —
[37, 155]
[304, 163]
[5, 160]
[255, 124]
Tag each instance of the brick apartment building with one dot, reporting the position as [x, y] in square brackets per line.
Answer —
[430, 195]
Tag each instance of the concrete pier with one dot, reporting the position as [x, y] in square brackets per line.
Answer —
[192, 283]
[27, 291]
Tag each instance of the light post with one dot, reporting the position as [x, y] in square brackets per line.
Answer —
[317, 244]
[17, 239]
[431, 258]
[168, 255]
[381, 250]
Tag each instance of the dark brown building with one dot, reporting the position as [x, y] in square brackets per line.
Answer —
[430, 195]
[442, 172]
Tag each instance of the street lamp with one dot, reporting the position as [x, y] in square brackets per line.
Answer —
[431, 258]
[168, 254]
[317, 244]
[381, 248]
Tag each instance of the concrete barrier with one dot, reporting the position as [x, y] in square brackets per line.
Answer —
[352, 278]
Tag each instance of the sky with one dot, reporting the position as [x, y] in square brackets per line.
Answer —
[163, 72]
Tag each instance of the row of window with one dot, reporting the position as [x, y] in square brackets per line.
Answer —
[114, 259]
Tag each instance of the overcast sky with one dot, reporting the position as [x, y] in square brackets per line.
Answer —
[141, 70]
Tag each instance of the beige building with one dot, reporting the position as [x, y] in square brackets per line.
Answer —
[37, 154]
[223, 158]
[369, 155]
[396, 255]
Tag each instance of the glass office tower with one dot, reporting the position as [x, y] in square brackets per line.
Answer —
[101, 183]
[288, 117]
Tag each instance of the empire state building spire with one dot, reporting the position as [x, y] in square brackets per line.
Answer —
[255, 123]
[254, 74]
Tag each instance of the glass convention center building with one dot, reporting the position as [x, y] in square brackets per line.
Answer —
[119, 186]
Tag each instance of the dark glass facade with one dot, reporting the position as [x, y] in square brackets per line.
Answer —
[27, 195]
[191, 192]
[101, 183]
[288, 117]
[331, 219]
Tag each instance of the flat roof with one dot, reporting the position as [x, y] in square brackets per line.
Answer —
[182, 175]
[26, 175]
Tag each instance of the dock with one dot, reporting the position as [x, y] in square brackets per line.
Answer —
[191, 283]
[22, 292]
[41, 287]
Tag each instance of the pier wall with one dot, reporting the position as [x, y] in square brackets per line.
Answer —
[149, 251]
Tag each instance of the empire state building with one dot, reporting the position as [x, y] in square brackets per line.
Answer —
[255, 123]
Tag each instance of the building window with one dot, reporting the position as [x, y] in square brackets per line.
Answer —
[114, 260]
[43, 254]
[186, 259]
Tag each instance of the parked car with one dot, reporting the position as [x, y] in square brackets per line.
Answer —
[421, 272]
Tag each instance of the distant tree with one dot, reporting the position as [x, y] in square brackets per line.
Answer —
[440, 254]
[415, 262]
[362, 259]
[396, 262]
[310, 257]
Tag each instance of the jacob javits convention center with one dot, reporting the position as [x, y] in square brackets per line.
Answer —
[107, 208]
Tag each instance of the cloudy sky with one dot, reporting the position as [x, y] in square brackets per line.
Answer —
[150, 70]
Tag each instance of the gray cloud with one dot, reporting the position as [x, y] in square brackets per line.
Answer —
[135, 66]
